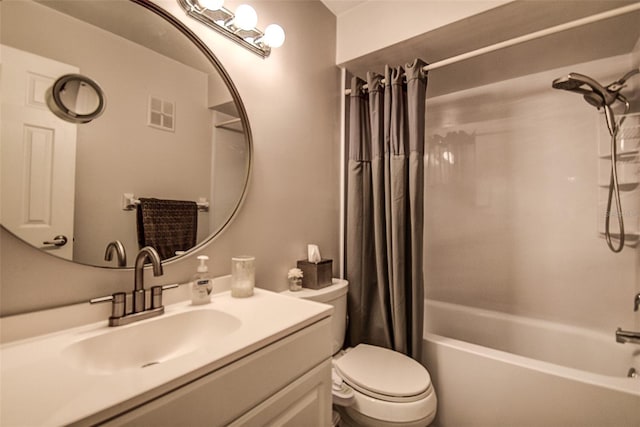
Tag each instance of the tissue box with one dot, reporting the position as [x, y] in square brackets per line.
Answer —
[316, 276]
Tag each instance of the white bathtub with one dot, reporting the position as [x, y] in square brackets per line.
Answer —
[494, 369]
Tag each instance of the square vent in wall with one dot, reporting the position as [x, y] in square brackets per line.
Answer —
[161, 114]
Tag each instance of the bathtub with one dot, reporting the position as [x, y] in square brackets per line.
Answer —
[494, 369]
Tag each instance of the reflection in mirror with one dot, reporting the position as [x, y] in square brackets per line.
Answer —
[174, 130]
[76, 98]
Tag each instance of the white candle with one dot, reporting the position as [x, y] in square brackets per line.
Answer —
[243, 276]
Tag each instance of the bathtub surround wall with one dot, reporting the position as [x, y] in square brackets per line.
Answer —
[513, 224]
[296, 151]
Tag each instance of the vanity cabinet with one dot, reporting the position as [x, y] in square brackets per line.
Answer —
[287, 383]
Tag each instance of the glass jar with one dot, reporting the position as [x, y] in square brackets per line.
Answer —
[243, 273]
[295, 284]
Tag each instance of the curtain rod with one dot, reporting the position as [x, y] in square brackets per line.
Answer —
[528, 37]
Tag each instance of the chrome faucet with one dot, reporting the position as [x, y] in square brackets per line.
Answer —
[627, 336]
[139, 311]
[121, 255]
[146, 253]
[630, 336]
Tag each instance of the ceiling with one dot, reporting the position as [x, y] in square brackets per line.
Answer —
[146, 29]
[338, 7]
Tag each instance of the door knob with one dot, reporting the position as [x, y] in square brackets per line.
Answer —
[59, 240]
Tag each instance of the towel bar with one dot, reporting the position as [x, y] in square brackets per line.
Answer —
[129, 203]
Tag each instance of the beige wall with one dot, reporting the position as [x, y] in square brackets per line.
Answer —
[292, 100]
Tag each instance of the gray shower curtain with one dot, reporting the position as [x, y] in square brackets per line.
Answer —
[384, 229]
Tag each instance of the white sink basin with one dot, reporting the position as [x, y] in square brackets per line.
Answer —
[148, 343]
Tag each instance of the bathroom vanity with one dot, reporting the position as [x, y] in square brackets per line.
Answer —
[253, 361]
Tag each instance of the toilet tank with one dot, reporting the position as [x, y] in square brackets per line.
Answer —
[335, 295]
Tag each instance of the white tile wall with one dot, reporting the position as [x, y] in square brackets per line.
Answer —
[512, 220]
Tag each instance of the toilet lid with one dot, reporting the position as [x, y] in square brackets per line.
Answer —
[381, 373]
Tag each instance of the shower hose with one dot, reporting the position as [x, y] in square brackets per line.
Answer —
[614, 192]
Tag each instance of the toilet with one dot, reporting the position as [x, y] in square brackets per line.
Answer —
[372, 386]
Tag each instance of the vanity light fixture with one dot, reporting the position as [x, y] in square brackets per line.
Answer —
[239, 26]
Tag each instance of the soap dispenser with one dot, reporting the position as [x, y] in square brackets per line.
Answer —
[201, 286]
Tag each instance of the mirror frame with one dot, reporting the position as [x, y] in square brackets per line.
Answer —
[60, 109]
[242, 112]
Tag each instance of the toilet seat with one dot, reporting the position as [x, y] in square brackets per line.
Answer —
[384, 374]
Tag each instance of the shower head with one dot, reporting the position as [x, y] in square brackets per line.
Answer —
[596, 94]
[602, 97]
[569, 82]
[592, 91]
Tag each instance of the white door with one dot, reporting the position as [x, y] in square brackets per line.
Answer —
[38, 155]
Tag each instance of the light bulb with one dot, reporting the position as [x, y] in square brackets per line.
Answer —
[211, 4]
[246, 17]
[273, 35]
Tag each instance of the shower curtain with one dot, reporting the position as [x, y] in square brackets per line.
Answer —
[384, 229]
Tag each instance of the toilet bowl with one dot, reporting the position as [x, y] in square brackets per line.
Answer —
[389, 388]
[373, 386]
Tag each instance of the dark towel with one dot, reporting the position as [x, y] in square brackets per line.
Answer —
[167, 225]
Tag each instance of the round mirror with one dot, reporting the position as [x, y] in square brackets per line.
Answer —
[76, 98]
[175, 133]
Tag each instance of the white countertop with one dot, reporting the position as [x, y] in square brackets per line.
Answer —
[38, 386]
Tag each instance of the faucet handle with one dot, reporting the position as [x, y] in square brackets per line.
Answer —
[156, 294]
[119, 305]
